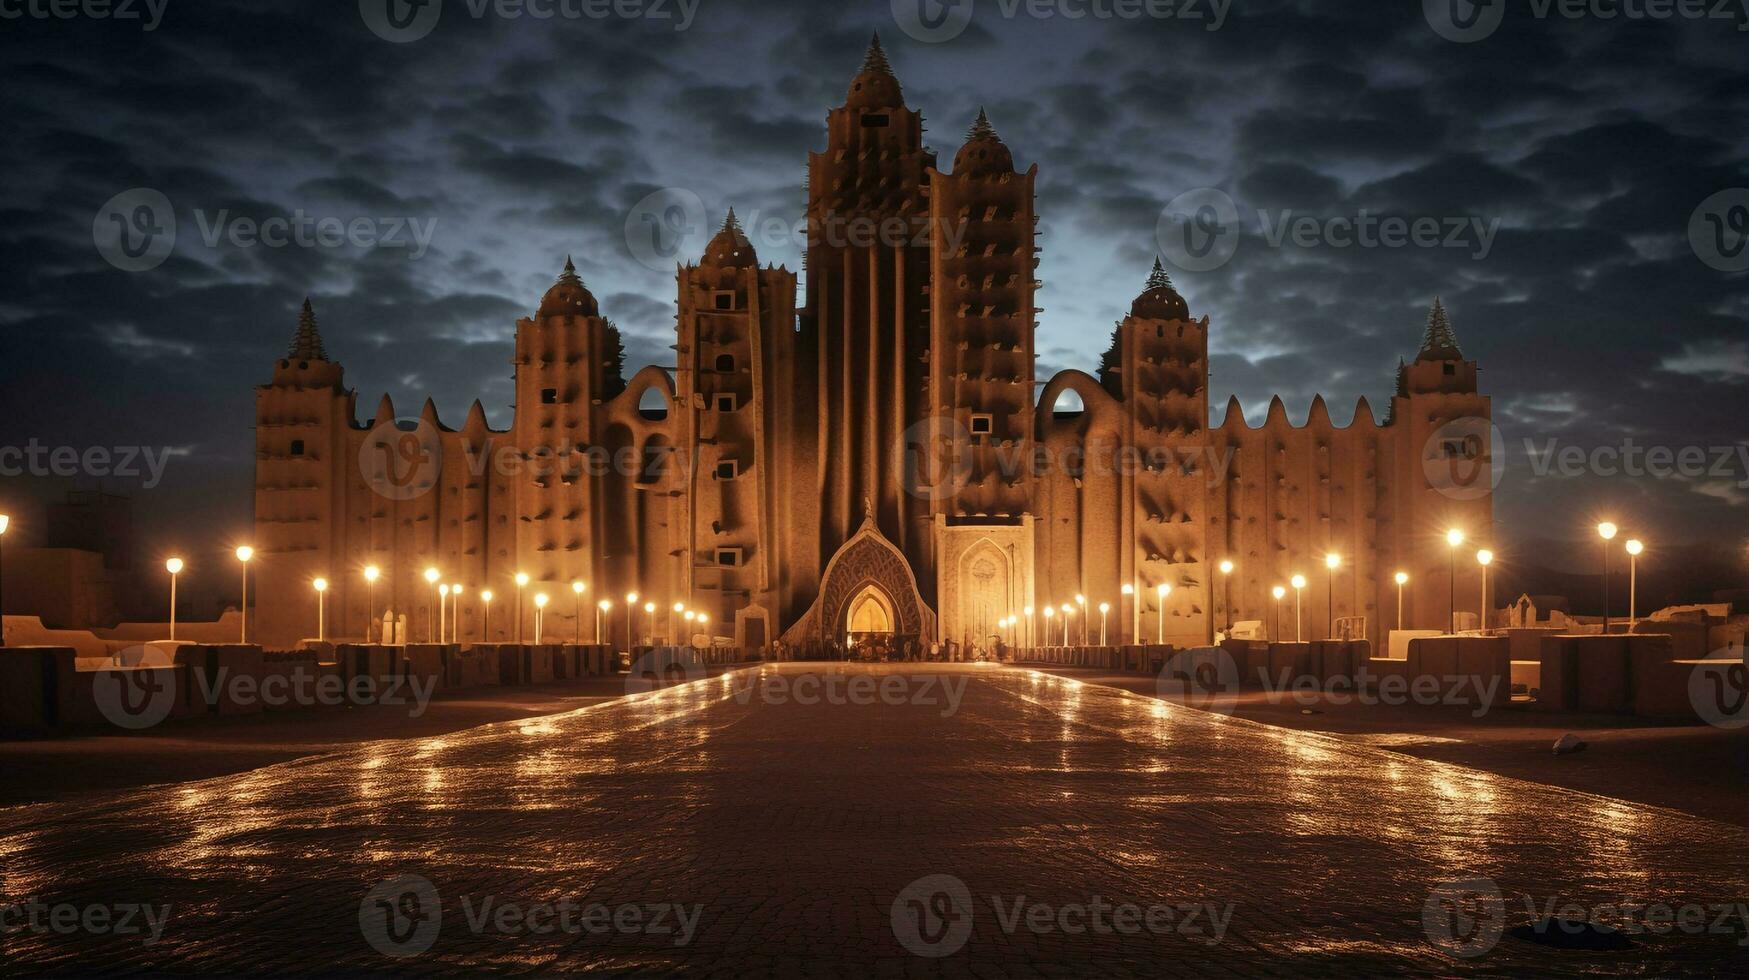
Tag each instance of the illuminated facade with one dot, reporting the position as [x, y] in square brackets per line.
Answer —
[879, 458]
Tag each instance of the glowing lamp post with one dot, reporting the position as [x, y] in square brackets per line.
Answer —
[1081, 607]
[1027, 612]
[1104, 608]
[244, 553]
[674, 622]
[442, 613]
[1162, 591]
[431, 575]
[1068, 612]
[521, 583]
[649, 623]
[486, 615]
[1331, 563]
[1453, 538]
[1128, 594]
[1484, 558]
[1048, 614]
[1299, 584]
[1635, 547]
[631, 614]
[174, 567]
[1279, 592]
[1607, 532]
[321, 585]
[602, 608]
[1402, 580]
[6, 522]
[371, 574]
[1226, 567]
[704, 622]
[540, 608]
[577, 588]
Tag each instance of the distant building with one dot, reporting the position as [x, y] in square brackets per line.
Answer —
[879, 460]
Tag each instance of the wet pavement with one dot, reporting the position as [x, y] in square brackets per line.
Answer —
[906, 820]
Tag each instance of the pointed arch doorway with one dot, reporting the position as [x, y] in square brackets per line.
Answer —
[871, 613]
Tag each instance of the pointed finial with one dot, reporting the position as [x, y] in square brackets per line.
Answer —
[1440, 342]
[876, 59]
[732, 223]
[981, 129]
[1158, 277]
[568, 266]
[306, 343]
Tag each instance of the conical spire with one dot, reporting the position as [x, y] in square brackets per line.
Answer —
[306, 344]
[1158, 277]
[570, 273]
[732, 224]
[876, 59]
[1440, 343]
[981, 129]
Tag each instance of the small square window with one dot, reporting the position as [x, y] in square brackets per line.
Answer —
[297, 447]
[726, 363]
[549, 396]
[728, 469]
[983, 425]
[1450, 369]
[726, 402]
[874, 120]
[725, 301]
[729, 557]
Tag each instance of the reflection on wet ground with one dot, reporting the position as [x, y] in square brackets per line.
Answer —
[822, 820]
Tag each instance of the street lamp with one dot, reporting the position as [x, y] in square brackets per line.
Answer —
[1029, 625]
[602, 607]
[371, 574]
[1484, 558]
[174, 567]
[1129, 595]
[431, 575]
[6, 522]
[577, 614]
[649, 623]
[442, 612]
[540, 607]
[1081, 602]
[244, 553]
[1226, 567]
[703, 627]
[1635, 547]
[1402, 580]
[1104, 608]
[1162, 591]
[1299, 584]
[674, 622]
[1606, 531]
[1048, 614]
[1068, 614]
[1453, 537]
[1331, 563]
[321, 585]
[486, 616]
[521, 583]
[1278, 592]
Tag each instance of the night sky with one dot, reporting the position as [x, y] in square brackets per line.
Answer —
[1586, 144]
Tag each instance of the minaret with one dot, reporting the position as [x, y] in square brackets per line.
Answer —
[567, 363]
[735, 348]
[867, 314]
[982, 226]
[302, 459]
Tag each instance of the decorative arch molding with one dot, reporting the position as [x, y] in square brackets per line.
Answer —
[868, 558]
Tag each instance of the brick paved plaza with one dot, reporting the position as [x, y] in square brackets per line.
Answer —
[820, 821]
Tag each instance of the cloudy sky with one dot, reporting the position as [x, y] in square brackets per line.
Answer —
[1574, 155]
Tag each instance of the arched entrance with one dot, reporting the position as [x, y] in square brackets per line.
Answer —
[871, 612]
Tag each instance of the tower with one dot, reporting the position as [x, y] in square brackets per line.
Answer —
[736, 347]
[867, 313]
[302, 459]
